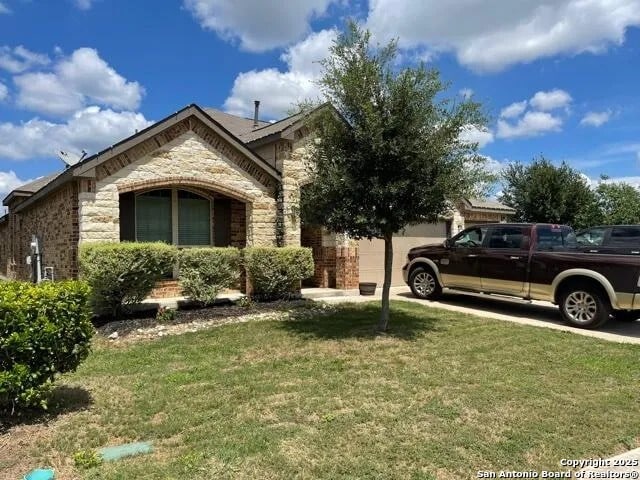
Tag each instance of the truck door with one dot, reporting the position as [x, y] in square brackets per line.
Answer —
[459, 265]
[503, 263]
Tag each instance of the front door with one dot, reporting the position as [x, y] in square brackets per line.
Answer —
[459, 265]
[503, 263]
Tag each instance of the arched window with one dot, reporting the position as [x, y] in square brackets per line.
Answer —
[173, 216]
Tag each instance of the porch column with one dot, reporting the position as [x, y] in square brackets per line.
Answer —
[292, 170]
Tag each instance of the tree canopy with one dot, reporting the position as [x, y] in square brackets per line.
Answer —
[618, 203]
[388, 153]
[543, 192]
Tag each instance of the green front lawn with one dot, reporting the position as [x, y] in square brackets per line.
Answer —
[441, 396]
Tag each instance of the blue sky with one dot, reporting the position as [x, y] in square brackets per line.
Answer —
[558, 78]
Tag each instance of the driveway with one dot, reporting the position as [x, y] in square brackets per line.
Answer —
[538, 314]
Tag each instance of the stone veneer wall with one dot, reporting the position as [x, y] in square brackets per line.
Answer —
[185, 160]
[290, 160]
[54, 220]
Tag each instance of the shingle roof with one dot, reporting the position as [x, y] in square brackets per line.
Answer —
[238, 126]
[488, 205]
[271, 128]
[37, 184]
[243, 127]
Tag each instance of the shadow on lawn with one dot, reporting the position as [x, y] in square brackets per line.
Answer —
[63, 399]
[360, 321]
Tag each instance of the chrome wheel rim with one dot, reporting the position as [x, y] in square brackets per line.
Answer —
[581, 307]
[424, 283]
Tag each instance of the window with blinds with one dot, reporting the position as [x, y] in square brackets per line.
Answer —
[157, 210]
[153, 217]
[194, 219]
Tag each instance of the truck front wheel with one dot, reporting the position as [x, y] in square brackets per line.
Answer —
[424, 284]
[584, 306]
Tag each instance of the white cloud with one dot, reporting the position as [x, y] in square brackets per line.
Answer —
[258, 25]
[84, 4]
[46, 93]
[473, 134]
[280, 91]
[4, 8]
[8, 182]
[466, 93]
[530, 125]
[4, 92]
[486, 38]
[630, 180]
[514, 110]
[73, 83]
[551, 100]
[91, 129]
[596, 119]
[20, 59]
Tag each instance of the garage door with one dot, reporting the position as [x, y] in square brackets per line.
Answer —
[372, 251]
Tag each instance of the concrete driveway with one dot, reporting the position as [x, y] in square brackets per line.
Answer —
[538, 314]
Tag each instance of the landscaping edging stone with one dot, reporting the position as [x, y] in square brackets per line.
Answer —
[131, 330]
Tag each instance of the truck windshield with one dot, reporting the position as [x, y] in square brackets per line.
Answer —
[552, 237]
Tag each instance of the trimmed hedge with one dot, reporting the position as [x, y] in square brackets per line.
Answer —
[276, 272]
[45, 330]
[204, 272]
[121, 274]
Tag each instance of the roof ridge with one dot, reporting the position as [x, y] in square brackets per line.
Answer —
[237, 116]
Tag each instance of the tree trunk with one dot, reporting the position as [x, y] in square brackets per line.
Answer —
[386, 286]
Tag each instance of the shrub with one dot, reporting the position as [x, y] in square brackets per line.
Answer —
[122, 274]
[275, 272]
[204, 272]
[45, 330]
[165, 315]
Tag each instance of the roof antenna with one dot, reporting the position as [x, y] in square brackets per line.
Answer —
[256, 113]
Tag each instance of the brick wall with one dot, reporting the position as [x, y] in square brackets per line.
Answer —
[347, 267]
[166, 289]
[4, 245]
[54, 220]
[238, 224]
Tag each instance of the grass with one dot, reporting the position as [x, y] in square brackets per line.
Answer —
[442, 395]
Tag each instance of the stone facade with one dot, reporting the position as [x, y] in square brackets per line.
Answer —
[290, 160]
[188, 161]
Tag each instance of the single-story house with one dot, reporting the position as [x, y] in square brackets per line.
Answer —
[197, 177]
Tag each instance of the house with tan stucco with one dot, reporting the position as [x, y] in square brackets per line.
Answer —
[197, 177]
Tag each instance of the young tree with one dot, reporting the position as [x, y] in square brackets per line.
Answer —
[389, 153]
[542, 192]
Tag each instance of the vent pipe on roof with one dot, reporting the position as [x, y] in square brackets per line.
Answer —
[256, 113]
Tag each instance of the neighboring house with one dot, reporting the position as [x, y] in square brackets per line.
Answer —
[197, 177]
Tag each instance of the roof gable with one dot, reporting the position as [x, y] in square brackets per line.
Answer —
[124, 152]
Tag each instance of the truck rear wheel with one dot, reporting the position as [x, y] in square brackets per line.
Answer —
[424, 284]
[584, 306]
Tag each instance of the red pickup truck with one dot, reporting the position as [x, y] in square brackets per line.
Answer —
[530, 261]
